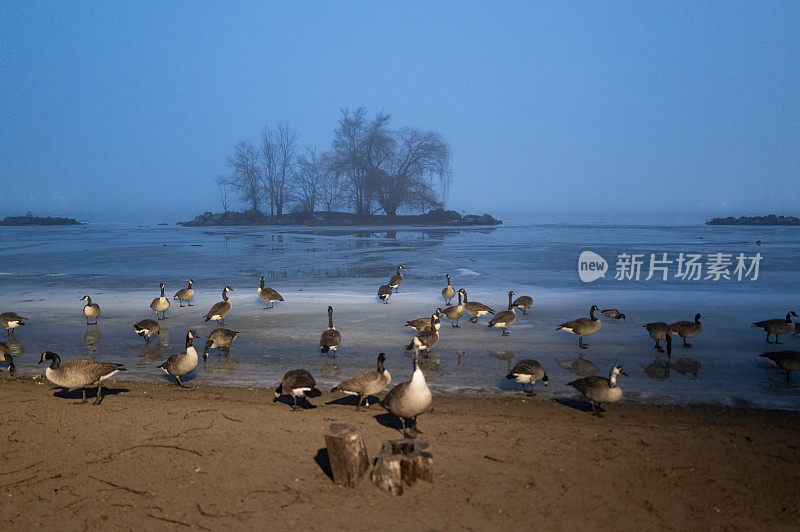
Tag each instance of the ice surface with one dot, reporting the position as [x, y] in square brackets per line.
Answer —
[45, 271]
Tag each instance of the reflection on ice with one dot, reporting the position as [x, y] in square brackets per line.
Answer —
[92, 338]
[686, 365]
[580, 366]
[508, 356]
[330, 369]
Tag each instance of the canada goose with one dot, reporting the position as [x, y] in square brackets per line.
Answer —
[528, 371]
[366, 382]
[455, 312]
[221, 309]
[687, 329]
[182, 363]
[523, 303]
[407, 400]
[787, 360]
[218, 339]
[384, 293]
[5, 356]
[396, 279]
[79, 373]
[777, 326]
[505, 318]
[448, 292]
[658, 330]
[420, 324]
[297, 382]
[475, 309]
[582, 326]
[268, 295]
[11, 320]
[147, 328]
[185, 294]
[426, 339]
[160, 304]
[331, 338]
[600, 390]
[613, 314]
[90, 310]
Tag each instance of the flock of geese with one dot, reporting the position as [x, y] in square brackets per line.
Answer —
[406, 400]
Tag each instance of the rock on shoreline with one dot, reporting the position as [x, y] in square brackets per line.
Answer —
[37, 220]
[756, 220]
[434, 217]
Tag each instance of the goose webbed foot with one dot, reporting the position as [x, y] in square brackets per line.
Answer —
[777, 342]
[179, 383]
[583, 346]
[189, 304]
[504, 333]
[99, 397]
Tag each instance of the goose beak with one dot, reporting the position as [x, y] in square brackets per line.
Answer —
[622, 372]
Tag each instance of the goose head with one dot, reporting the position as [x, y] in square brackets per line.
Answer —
[228, 289]
[49, 355]
[617, 370]
[594, 308]
[622, 317]
[545, 380]
[192, 334]
[85, 298]
[191, 282]
[697, 318]
[207, 348]
[448, 278]
[161, 286]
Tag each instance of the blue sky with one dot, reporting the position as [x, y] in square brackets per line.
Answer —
[127, 110]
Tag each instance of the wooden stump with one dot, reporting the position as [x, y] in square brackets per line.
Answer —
[402, 461]
[347, 454]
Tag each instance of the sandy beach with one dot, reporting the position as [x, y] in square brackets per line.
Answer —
[153, 456]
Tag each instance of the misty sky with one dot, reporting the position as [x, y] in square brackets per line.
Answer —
[126, 110]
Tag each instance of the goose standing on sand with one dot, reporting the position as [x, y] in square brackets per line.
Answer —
[425, 340]
[582, 326]
[407, 400]
[420, 324]
[268, 295]
[79, 373]
[788, 361]
[448, 292]
[455, 312]
[90, 310]
[160, 304]
[777, 326]
[528, 371]
[523, 303]
[687, 329]
[331, 338]
[297, 383]
[147, 328]
[384, 293]
[613, 314]
[475, 309]
[396, 279]
[505, 318]
[5, 356]
[599, 390]
[218, 339]
[185, 294]
[10, 321]
[221, 309]
[182, 363]
[366, 383]
[658, 330]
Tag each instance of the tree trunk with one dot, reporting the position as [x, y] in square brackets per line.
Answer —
[347, 454]
[402, 461]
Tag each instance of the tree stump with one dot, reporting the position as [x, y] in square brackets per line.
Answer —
[402, 461]
[347, 454]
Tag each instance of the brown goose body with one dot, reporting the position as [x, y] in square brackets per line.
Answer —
[448, 292]
[5, 356]
[185, 294]
[221, 309]
[788, 360]
[269, 295]
[582, 326]
[420, 324]
[79, 373]
[687, 329]
[427, 339]
[455, 312]
[600, 390]
[160, 304]
[384, 293]
[408, 400]
[182, 363]
[366, 382]
[613, 314]
[778, 326]
[90, 310]
[331, 338]
[10, 321]
[396, 279]
[147, 328]
[528, 371]
[297, 383]
[475, 309]
[505, 318]
[658, 330]
[218, 339]
[523, 303]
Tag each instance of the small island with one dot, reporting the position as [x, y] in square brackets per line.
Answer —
[435, 217]
[770, 219]
[30, 219]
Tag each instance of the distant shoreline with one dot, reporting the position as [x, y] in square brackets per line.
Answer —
[436, 217]
[37, 220]
[756, 220]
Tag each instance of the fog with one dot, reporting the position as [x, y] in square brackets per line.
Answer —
[623, 111]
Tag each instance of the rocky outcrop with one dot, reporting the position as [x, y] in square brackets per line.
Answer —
[434, 217]
[756, 220]
[37, 220]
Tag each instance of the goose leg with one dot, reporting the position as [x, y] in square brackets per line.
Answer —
[776, 340]
[403, 424]
[416, 428]
[189, 303]
[581, 344]
[658, 346]
[84, 397]
[505, 332]
[99, 394]
[358, 406]
[685, 344]
[181, 384]
[768, 339]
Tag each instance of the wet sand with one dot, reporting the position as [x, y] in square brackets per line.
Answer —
[154, 456]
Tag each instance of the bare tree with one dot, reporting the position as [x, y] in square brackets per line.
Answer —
[309, 179]
[278, 154]
[222, 192]
[246, 176]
